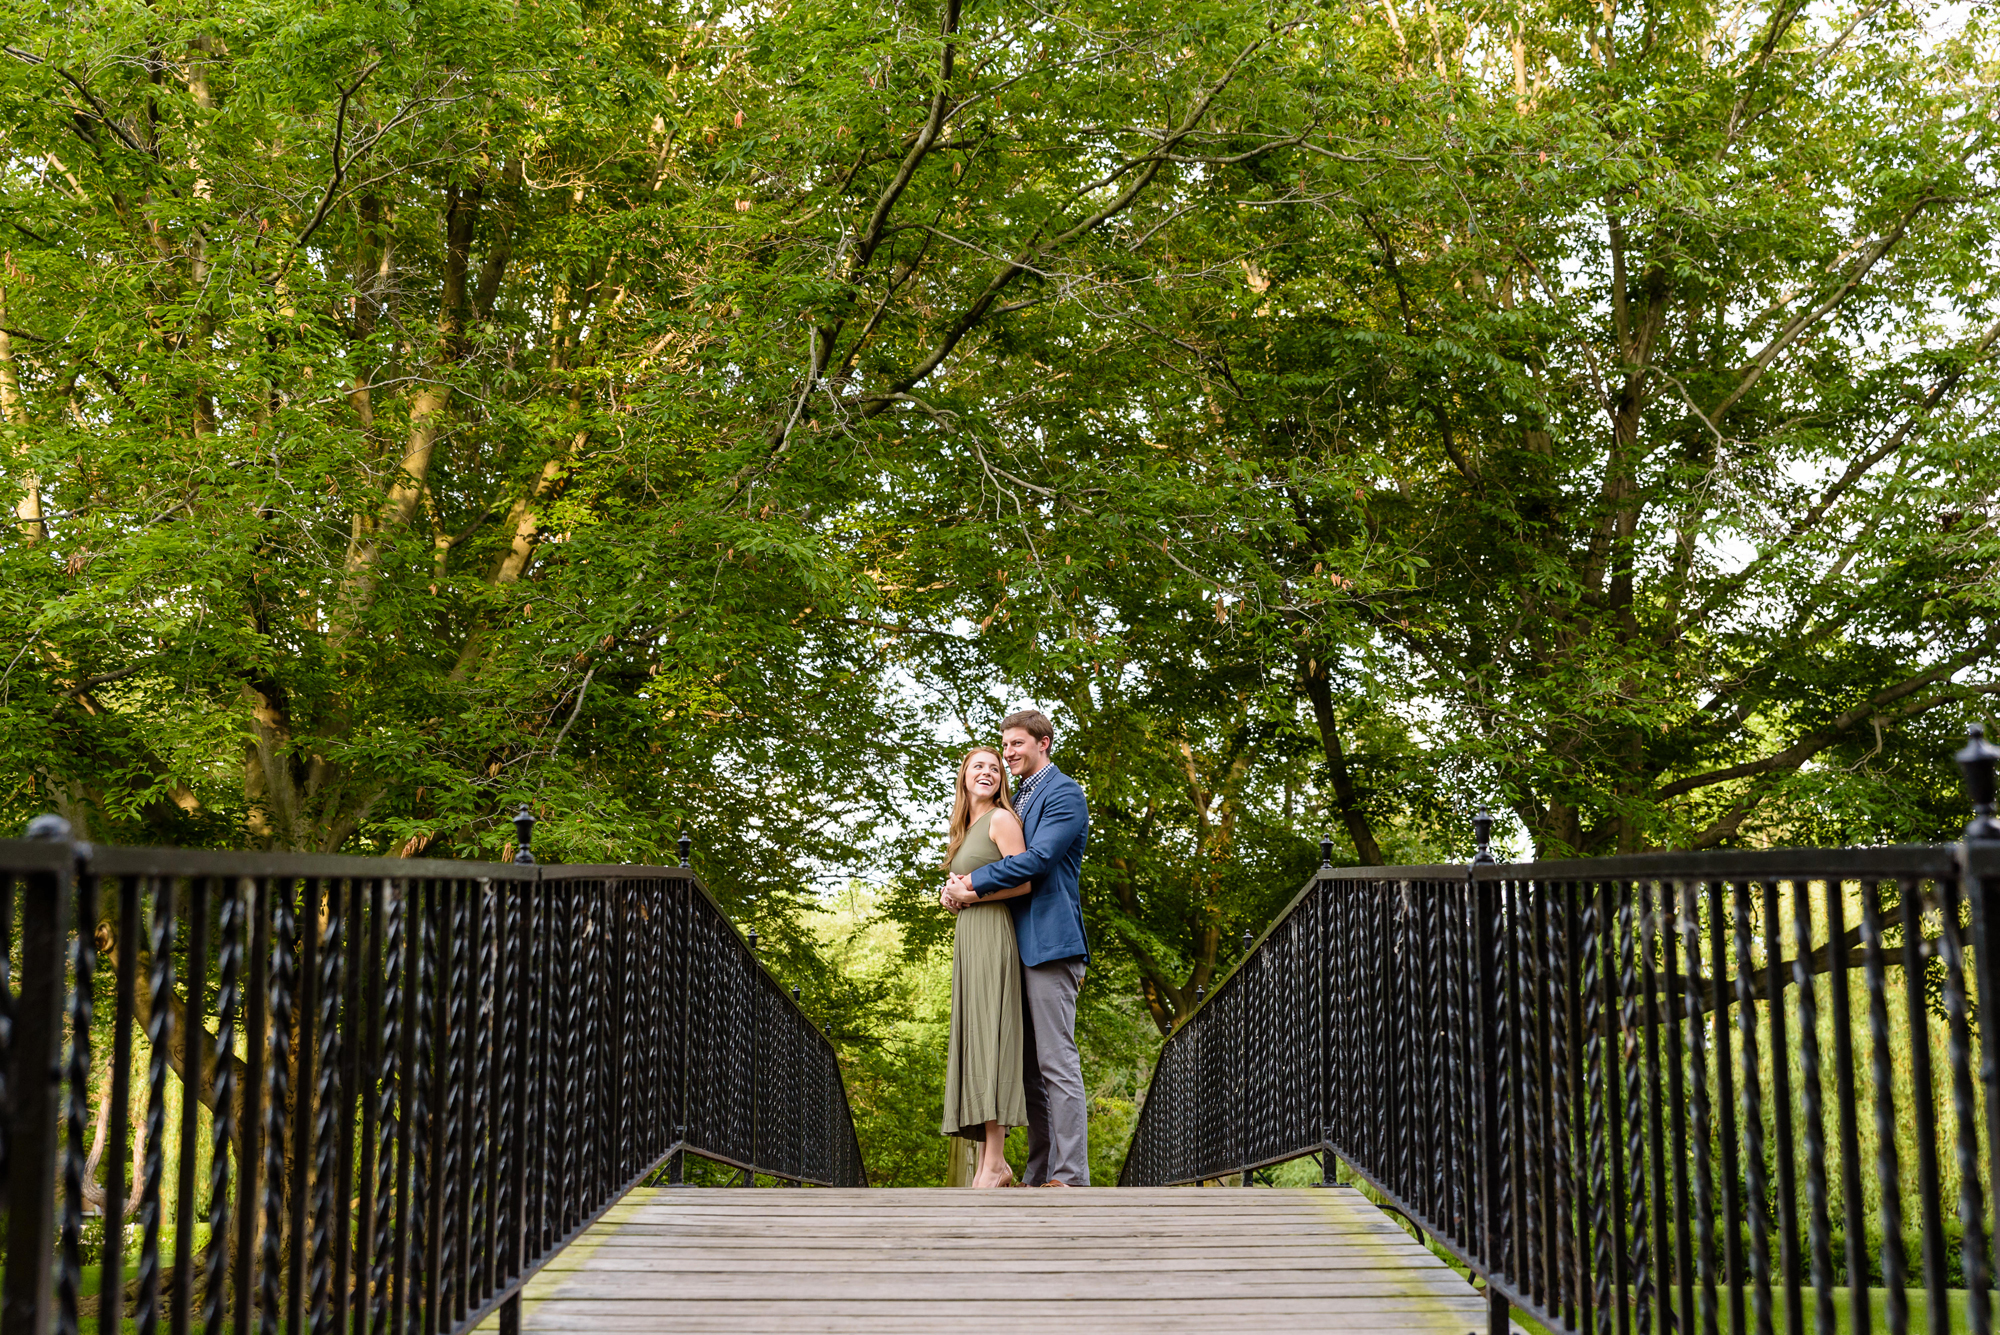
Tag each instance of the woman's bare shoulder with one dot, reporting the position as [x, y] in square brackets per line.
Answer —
[1003, 819]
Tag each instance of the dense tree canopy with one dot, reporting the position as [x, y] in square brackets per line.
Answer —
[712, 417]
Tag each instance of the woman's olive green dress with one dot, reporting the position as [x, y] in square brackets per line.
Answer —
[982, 1077]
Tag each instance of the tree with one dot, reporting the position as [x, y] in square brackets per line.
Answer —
[1604, 394]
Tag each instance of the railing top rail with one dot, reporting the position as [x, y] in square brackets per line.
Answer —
[1786, 864]
[114, 860]
[31, 855]
[616, 871]
[1884, 862]
[1435, 871]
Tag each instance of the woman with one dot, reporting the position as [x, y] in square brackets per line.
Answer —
[983, 1093]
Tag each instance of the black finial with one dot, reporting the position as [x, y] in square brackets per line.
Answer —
[524, 836]
[684, 842]
[1199, 993]
[753, 940]
[1326, 852]
[1482, 836]
[1246, 940]
[50, 827]
[795, 994]
[1976, 763]
[826, 1027]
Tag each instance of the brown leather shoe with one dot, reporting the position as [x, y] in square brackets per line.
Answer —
[1053, 1183]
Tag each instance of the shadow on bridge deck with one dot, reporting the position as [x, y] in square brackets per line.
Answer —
[906, 1260]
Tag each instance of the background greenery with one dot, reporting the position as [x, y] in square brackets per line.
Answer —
[715, 416]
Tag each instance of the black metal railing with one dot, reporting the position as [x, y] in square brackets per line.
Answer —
[376, 1094]
[1674, 1092]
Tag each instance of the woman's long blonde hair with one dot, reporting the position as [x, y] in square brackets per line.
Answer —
[961, 810]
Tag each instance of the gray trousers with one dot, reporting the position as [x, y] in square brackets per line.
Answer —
[1058, 1112]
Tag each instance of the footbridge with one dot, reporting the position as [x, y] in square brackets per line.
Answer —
[1681, 1092]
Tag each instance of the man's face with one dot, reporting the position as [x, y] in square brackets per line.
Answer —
[1025, 752]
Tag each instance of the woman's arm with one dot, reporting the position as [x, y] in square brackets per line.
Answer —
[1005, 832]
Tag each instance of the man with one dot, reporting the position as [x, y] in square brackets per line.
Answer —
[1048, 927]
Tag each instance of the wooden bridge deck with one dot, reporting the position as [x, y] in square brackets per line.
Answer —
[908, 1260]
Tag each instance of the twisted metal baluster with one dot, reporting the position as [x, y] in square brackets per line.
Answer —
[1405, 1130]
[542, 966]
[481, 1201]
[1381, 963]
[629, 1032]
[1531, 1047]
[451, 1096]
[1819, 1227]
[222, 1128]
[490, 1058]
[1484, 1196]
[1785, 1209]
[159, 1035]
[1704, 1130]
[567, 1211]
[83, 961]
[1593, 1060]
[1971, 1199]
[277, 1085]
[423, 1285]
[1639, 1273]
[388, 1209]
[1656, 942]
[507, 1214]
[1562, 1130]
[1923, 1107]
[476, 1247]
[1438, 1046]
[1758, 1196]
[1888, 1170]
[327, 1098]
[1502, 1255]
[593, 1075]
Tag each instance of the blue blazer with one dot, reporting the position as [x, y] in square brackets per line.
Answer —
[1048, 920]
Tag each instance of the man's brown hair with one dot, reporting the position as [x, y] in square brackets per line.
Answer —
[1031, 721]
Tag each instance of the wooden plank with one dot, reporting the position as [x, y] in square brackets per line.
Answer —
[956, 1288]
[1163, 1261]
[682, 1269]
[612, 1257]
[1276, 1314]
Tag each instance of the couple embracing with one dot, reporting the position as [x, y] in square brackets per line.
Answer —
[1018, 958]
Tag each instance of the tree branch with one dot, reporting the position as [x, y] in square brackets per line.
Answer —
[1814, 742]
[339, 165]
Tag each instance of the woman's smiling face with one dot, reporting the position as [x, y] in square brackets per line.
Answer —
[984, 775]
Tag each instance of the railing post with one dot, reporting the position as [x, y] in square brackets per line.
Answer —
[1486, 931]
[33, 1083]
[1329, 1172]
[524, 836]
[1977, 762]
[756, 991]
